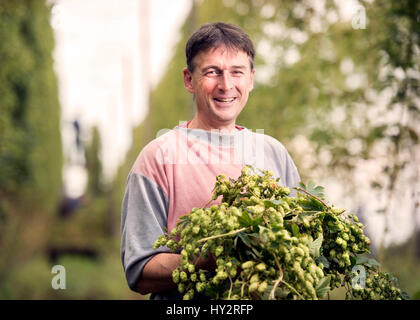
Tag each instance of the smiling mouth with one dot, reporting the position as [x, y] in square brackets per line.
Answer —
[226, 100]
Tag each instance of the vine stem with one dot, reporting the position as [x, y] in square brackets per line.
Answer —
[291, 288]
[223, 235]
[310, 194]
[272, 293]
[276, 284]
[230, 289]
[242, 290]
[205, 206]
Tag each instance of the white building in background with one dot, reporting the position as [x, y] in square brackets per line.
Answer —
[101, 47]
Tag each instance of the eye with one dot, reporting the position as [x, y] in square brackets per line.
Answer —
[237, 72]
[211, 73]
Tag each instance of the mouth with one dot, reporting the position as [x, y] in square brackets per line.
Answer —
[225, 100]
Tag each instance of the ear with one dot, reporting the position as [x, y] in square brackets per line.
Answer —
[251, 86]
[188, 81]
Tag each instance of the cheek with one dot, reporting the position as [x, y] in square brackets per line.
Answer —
[209, 86]
[243, 85]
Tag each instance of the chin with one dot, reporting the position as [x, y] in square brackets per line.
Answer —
[226, 115]
[225, 119]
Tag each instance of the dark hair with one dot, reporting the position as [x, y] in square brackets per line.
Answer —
[212, 35]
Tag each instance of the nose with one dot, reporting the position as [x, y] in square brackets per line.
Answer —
[225, 81]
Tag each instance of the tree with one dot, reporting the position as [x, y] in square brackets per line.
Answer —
[94, 165]
[30, 139]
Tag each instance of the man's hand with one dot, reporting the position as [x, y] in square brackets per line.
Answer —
[157, 273]
[206, 263]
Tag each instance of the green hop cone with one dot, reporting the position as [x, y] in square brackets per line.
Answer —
[183, 276]
[337, 211]
[254, 278]
[191, 268]
[181, 287]
[199, 287]
[260, 267]
[175, 275]
[193, 277]
[253, 287]
[248, 264]
[202, 277]
[219, 251]
[196, 229]
[262, 287]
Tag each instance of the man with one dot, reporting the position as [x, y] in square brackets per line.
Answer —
[177, 171]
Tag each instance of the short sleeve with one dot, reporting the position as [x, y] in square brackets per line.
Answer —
[144, 217]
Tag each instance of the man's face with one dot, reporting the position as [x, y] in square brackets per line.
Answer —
[221, 82]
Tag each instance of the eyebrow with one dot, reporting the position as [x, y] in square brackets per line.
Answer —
[217, 68]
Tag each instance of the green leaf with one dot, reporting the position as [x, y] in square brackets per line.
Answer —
[317, 191]
[276, 227]
[389, 276]
[370, 262]
[248, 242]
[312, 205]
[323, 287]
[183, 220]
[245, 220]
[256, 252]
[266, 295]
[256, 223]
[310, 213]
[334, 229]
[315, 246]
[272, 203]
[244, 239]
[405, 296]
[250, 253]
[353, 261]
[280, 292]
[295, 229]
[324, 261]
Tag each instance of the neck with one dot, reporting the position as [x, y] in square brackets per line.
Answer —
[196, 123]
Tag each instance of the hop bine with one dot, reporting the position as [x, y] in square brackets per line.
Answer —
[270, 245]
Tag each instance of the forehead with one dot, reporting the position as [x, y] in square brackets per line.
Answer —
[222, 56]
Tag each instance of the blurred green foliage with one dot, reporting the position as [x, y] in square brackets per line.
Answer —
[85, 278]
[401, 260]
[94, 165]
[30, 139]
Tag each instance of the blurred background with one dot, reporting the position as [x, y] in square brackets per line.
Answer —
[84, 85]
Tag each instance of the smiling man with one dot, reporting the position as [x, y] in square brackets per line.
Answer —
[177, 171]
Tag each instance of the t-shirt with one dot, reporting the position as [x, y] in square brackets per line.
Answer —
[177, 172]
